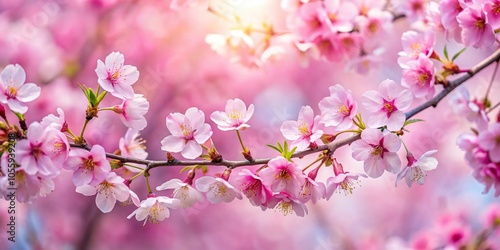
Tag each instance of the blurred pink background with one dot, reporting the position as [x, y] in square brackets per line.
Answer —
[58, 43]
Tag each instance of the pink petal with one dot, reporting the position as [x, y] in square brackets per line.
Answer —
[191, 150]
[203, 134]
[105, 201]
[28, 92]
[172, 144]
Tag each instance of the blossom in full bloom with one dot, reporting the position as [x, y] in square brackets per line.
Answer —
[342, 179]
[155, 209]
[414, 44]
[387, 105]
[185, 193]
[252, 187]
[414, 171]
[189, 132]
[132, 112]
[109, 191]
[303, 132]
[217, 189]
[418, 76]
[476, 31]
[90, 167]
[378, 151]
[490, 140]
[285, 203]
[282, 175]
[338, 109]
[115, 77]
[14, 91]
[235, 116]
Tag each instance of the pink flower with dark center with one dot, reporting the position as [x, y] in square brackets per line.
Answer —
[184, 192]
[252, 187]
[189, 132]
[418, 76]
[109, 191]
[283, 175]
[378, 151]
[14, 91]
[217, 189]
[132, 112]
[285, 203]
[387, 105]
[338, 109]
[343, 180]
[415, 170]
[476, 31]
[490, 140]
[155, 209]
[115, 77]
[235, 116]
[303, 132]
[91, 167]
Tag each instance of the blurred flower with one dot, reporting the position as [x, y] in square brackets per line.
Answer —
[413, 9]
[378, 151]
[283, 175]
[14, 91]
[303, 132]
[414, 44]
[418, 76]
[115, 77]
[472, 110]
[132, 112]
[491, 9]
[387, 105]
[414, 171]
[155, 209]
[184, 192]
[182, 4]
[339, 108]
[189, 132]
[252, 187]
[217, 189]
[449, 10]
[108, 192]
[91, 167]
[340, 15]
[235, 117]
[476, 31]
[490, 140]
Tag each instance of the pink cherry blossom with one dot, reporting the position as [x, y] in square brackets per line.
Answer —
[418, 76]
[312, 190]
[489, 175]
[491, 217]
[155, 209]
[185, 193]
[283, 175]
[34, 153]
[492, 10]
[56, 122]
[414, 44]
[131, 146]
[132, 112]
[338, 109]
[252, 187]
[490, 140]
[378, 151]
[476, 31]
[387, 105]
[109, 191]
[303, 132]
[285, 203]
[91, 167]
[189, 131]
[413, 9]
[14, 91]
[342, 179]
[340, 15]
[472, 110]
[217, 189]
[414, 171]
[449, 11]
[235, 116]
[115, 77]
[328, 47]
[375, 23]
[310, 21]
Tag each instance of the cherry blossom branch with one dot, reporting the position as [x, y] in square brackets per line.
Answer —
[331, 147]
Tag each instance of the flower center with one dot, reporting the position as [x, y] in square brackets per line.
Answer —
[283, 174]
[234, 115]
[284, 207]
[423, 77]
[416, 6]
[416, 174]
[186, 131]
[416, 48]
[389, 107]
[11, 92]
[304, 129]
[496, 9]
[378, 150]
[89, 164]
[373, 27]
[220, 190]
[154, 212]
[344, 110]
[59, 146]
[480, 24]
[37, 152]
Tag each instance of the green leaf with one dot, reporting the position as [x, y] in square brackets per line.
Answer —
[273, 147]
[187, 168]
[412, 121]
[203, 168]
[285, 146]
[445, 51]
[101, 96]
[92, 98]
[281, 148]
[293, 150]
[457, 54]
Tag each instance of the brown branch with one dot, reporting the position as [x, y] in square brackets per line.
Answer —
[331, 146]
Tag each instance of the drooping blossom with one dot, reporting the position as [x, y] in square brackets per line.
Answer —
[490, 140]
[90, 167]
[109, 191]
[378, 151]
[132, 112]
[303, 132]
[252, 187]
[282, 175]
[185, 193]
[338, 109]
[342, 179]
[472, 110]
[418, 76]
[235, 117]
[387, 105]
[188, 131]
[312, 190]
[285, 203]
[115, 77]
[415, 170]
[476, 31]
[155, 209]
[14, 91]
[217, 189]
